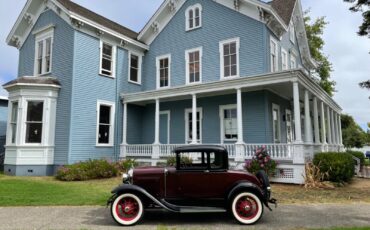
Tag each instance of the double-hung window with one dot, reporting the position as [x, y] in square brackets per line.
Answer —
[43, 54]
[284, 59]
[293, 62]
[193, 17]
[13, 122]
[105, 123]
[276, 123]
[274, 55]
[189, 125]
[134, 68]
[229, 122]
[34, 122]
[163, 71]
[194, 65]
[107, 59]
[229, 58]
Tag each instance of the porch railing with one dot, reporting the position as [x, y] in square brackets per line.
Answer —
[143, 150]
[276, 151]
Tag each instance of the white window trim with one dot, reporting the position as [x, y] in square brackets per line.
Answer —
[221, 50]
[278, 139]
[283, 51]
[140, 67]
[292, 32]
[190, 110]
[193, 7]
[200, 49]
[40, 36]
[111, 130]
[45, 122]
[114, 51]
[168, 113]
[273, 40]
[222, 117]
[9, 133]
[158, 71]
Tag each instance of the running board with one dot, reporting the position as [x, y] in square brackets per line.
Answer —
[191, 209]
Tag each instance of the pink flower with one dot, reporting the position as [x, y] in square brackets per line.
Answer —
[266, 159]
[262, 165]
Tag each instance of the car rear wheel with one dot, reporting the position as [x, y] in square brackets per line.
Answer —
[247, 208]
[127, 209]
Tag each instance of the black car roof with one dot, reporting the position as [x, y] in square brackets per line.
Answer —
[196, 148]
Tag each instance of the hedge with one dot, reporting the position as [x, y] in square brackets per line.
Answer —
[338, 166]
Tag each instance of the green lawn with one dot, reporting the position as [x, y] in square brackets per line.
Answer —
[43, 191]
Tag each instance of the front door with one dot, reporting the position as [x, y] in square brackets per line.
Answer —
[164, 127]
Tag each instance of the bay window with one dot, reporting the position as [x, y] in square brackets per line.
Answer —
[13, 122]
[34, 121]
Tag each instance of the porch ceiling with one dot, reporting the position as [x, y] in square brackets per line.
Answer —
[278, 82]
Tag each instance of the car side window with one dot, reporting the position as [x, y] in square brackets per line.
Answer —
[215, 160]
[192, 161]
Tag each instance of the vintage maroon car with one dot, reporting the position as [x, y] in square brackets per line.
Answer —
[203, 184]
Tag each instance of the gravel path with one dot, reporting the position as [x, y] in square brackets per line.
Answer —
[284, 217]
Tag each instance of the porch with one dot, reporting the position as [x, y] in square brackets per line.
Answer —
[286, 112]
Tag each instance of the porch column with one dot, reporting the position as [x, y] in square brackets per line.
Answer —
[194, 120]
[297, 113]
[340, 130]
[307, 118]
[329, 124]
[323, 125]
[124, 124]
[337, 126]
[332, 127]
[316, 120]
[239, 116]
[156, 134]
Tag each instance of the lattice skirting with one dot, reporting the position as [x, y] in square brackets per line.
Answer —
[289, 173]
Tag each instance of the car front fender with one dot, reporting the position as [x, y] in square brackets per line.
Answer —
[129, 188]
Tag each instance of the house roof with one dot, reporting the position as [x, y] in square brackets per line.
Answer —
[33, 81]
[284, 8]
[71, 6]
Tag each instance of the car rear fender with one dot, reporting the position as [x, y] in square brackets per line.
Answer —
[129, 188]
[246, 186]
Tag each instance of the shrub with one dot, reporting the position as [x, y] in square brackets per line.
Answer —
[359, 155]
[125, 165]
[91, 169]
[261, 161]
[338, 166]
[171, 161]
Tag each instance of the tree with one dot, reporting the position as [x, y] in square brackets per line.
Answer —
[353, 135]
[314, 32]
[364, 29]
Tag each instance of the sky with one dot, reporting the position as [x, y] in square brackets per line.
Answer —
[349, 53]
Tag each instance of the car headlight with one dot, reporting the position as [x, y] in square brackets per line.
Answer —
[125, 178]
[130, 172]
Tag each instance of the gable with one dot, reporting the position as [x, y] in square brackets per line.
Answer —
[76, 16]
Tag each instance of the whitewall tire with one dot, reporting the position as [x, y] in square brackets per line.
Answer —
[247, 208]
[127, 209]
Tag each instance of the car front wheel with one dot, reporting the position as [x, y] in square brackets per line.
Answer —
[127, 209]
[247, 208]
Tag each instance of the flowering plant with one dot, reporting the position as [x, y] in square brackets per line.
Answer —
[261, 161]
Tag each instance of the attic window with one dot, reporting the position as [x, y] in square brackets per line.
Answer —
[193, 17]
[292, 32]
[43, 52]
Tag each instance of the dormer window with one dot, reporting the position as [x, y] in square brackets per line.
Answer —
[43, 54]
[292, 32]
[194, 17]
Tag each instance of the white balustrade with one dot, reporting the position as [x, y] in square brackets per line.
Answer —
[139, 150]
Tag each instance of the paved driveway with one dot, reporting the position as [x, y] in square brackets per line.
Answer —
[285, 217]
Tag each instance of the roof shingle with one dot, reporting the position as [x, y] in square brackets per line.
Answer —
[284, 8]
[82, 11]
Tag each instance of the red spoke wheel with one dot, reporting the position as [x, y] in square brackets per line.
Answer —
[247, 208]
[127, 209]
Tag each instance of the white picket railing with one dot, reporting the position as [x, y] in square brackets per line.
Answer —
[139, 150]
[276, 151]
